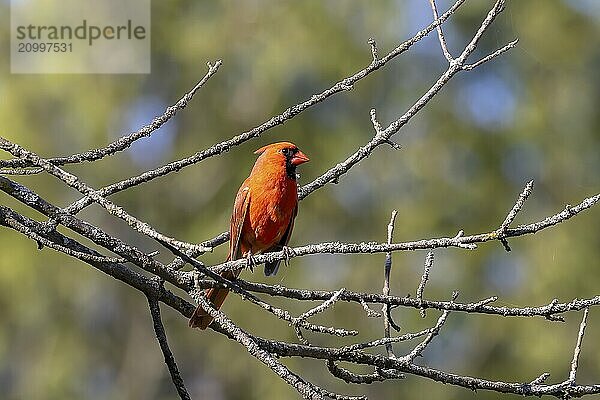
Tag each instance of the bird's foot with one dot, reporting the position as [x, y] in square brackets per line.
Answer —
[250, 263]
[287, 254]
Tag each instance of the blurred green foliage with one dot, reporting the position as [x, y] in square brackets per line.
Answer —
[67, 331]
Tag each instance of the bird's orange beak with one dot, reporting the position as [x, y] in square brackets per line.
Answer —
[299, 158]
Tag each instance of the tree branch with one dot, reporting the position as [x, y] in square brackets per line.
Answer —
[123, 142]
[459, 240]
[74, 182]
[95, 234]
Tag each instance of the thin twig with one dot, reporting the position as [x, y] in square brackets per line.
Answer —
[540, 379]
[125, 141]
[374, 50]
[19, 171]
[384, 341]
[424, 278]
[370, 312]
[510, 217]
[511, 45]
[159, 331]
[441, 36]
[375, 122]
[577, 350]
[386, 283]
[301, 320]
[433, 333]
[393, 324]
[351, 377]
[322, 307]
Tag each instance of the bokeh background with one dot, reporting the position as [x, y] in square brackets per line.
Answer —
[68, 331]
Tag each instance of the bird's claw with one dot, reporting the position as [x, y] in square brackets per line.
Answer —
[287, 254]
[250, 263]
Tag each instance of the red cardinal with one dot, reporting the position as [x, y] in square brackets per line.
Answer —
[263, 215]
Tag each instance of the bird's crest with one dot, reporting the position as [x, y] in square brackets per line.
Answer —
[275, 146]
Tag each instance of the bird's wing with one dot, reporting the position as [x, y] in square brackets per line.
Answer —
[272, 267]
[240, 208]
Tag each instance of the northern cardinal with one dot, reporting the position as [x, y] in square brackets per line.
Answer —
[263, 215]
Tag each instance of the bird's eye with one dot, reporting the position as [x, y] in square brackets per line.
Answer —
[287, 152]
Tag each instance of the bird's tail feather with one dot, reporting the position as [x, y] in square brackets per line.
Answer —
[272, 267]
[201, 319]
